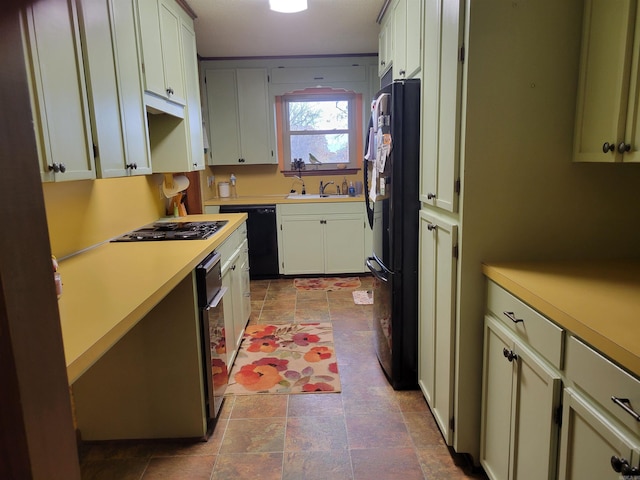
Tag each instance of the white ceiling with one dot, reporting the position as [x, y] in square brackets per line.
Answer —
[247, 28]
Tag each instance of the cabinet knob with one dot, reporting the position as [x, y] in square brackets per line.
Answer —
[431, 196]
[132, 166]
[608, 147]
[431, 227]
[383, 63]
[55, 167]
[63, 168]
[169, 91]
[401, 73]
[621, 465]
[624, 147]
[241, 160]
[509, 354]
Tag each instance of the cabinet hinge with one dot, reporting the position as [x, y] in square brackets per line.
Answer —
[452, 424]
[456, 186]
[557, 415]
[462, 52]
[455, 251]
[95, 151]
[280, 227]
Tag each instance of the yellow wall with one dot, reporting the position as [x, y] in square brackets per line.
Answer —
[268, 180]
[84, 213]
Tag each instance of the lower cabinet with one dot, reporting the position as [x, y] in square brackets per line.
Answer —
[436, 327]
[520, 406]
[552, 406]
[592, 446]
[235, 277]
[321, 238]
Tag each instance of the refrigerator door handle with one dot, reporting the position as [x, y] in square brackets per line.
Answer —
[382, 273]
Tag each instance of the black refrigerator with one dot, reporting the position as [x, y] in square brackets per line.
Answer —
[392, 168]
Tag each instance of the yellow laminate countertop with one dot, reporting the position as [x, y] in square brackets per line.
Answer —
[597, 301]
[110, 288]
[277, 199]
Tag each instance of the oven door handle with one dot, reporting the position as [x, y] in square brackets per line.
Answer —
[216, 300]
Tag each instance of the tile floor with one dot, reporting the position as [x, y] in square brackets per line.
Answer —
[368, 431]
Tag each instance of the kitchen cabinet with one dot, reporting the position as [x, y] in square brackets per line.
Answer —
[436, 327]
[318, 75]
[162, 55]
[407, 30]
[520, 406]
[58, 91]
[607, 113]
[592, 446]
[385, 45]
[597, 429]
[176, 139]
[239, 119]
[319, 238]
[119, 123]
[234, 253]
[441, 104]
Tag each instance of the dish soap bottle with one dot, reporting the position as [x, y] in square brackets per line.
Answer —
[352, 190]
[345, 187]
[232, 180]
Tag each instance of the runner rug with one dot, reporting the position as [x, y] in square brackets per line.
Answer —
[289, 358]
[327, 283]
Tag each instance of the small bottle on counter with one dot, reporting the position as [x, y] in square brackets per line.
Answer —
[232, 182]
[345, 187]
[352, 190]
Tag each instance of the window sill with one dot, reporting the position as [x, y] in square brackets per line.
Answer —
[326, 171]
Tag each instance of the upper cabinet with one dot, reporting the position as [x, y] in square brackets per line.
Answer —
[407, 25]
[160, 32]
[239, 120]
[385, 45]
[174, 113]
[607, 110]
[58, 91]
[114, 79]
[441, 97]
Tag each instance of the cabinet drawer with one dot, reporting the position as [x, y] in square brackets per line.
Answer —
[231, 244]
[602, 380]
[541, 334]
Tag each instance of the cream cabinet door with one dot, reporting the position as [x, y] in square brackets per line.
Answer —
[589, 442]
[229, 309]
[399, 19]
[302, 244]
[344, 244]
[241, 292]
[385, 45]
[222, 105]
[58, 91]
[115, 88]
[608, 69]
[436, 324]
[253, 116]
[170, 31]
[520, 407]
[441, 103]
[193, 117]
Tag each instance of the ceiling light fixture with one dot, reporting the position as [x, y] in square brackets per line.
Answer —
[288, 6]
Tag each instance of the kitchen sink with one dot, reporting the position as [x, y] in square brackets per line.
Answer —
[311, 196]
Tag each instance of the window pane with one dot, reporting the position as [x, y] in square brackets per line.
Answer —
[326, 148]
[318, 115]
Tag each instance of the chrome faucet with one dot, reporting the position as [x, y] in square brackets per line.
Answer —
[322, 187]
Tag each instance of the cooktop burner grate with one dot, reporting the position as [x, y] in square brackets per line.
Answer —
[173, 231]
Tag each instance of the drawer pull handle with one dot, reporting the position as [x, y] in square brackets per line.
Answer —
[512, 316]
[625, 404]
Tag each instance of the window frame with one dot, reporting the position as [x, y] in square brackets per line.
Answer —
[284, 133]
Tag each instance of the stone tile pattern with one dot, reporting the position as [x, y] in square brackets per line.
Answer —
[368, 431]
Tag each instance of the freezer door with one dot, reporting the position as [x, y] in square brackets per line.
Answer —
[382, 313]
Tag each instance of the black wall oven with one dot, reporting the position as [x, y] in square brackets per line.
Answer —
[210, 303]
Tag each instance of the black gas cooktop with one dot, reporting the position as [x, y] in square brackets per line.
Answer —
[173, 231]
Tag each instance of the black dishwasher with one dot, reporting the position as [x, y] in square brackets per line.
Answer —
[262, 237]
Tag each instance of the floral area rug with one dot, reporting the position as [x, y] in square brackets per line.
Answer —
[289, 358]
[327, 283]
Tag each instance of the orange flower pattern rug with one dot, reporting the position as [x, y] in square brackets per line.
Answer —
[327, 283]
[289, 358]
